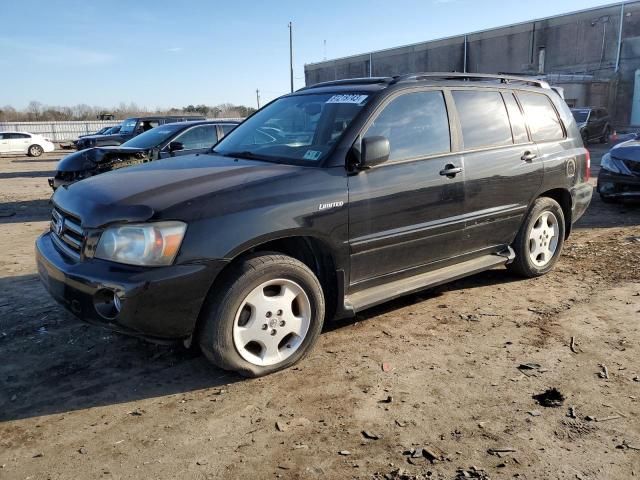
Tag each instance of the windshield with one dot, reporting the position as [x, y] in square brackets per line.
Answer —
[128, 125]
[580, 115]
[154, 137]
[297, 129]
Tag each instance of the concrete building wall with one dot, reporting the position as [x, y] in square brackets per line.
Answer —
[584, 42]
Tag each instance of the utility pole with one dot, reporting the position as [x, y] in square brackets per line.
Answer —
[291, 54]
[258, 97]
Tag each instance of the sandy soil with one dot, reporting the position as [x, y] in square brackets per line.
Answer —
[428, 386]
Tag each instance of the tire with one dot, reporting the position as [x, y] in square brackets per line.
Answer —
[35, 151]
[585, 138]
[245, 313]
[534, 236]
[605, 137]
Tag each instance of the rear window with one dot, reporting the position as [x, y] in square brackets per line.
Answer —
[483, 118]
[543, 120]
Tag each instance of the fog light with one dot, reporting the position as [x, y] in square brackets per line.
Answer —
[107, 304]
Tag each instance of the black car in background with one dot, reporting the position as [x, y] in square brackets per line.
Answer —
[168, 140]
[130, 128]
[593, 124]
[619, 175]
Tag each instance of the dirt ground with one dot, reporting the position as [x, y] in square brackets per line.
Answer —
[428, 386]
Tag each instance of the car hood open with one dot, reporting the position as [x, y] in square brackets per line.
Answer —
[629, 151]
[138, 193]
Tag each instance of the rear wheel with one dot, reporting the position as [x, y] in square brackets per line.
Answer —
[35, 151]
[540, 239]
[265, 315]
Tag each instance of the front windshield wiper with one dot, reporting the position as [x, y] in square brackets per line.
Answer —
[247, 154]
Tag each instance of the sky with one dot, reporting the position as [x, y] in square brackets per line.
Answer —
[166, 53]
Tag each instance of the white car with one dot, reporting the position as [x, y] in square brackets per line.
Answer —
[23, 142]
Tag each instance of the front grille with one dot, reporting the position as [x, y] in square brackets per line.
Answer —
[633, 166]
[67, 232]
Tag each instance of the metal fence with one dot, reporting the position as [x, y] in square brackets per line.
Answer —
[65, 131]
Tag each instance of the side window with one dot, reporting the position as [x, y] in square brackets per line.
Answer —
[226, 129]
[416, 124]
[17, 136]
[541, 116]
[483, 118]
[518, 128]
[204, 136]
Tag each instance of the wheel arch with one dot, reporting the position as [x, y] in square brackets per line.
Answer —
[563, 197]
[315, 253]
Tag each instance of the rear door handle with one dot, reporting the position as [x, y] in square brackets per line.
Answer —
[450, 170]
[528, 156]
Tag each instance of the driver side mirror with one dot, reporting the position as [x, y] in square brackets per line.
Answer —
[175, 146]
[374, 151]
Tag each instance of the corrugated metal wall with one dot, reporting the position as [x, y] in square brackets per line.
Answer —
[66, 131]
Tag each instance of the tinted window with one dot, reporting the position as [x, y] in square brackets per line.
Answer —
[416, 125]
[518, 128]
[541, 116]
[483, 118]
[204, 136]
[16, 136]
[154, 137]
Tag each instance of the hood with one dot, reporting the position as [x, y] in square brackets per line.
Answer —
[629, 151]
[140, 192]
[92, 157]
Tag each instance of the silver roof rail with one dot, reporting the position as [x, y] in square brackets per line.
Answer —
[507, 79]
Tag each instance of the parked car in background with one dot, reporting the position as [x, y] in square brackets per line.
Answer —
[362, 191]
[593, 124]
[113, 130]
[24, 143]
[102, 131]
[619, 175]
[165, 141]
[129, 129]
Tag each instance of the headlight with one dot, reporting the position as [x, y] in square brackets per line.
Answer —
[151, 244]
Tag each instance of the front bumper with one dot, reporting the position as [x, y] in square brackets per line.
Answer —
[156, 303]
[615, 185]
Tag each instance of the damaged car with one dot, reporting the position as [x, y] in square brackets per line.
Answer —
[166, 141]
[129, 128]
[619, 175]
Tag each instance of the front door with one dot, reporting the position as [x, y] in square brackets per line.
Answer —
[404, 214]
[4, 142]
[198, 139]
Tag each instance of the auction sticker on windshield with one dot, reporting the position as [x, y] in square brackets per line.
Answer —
[312, 155]
[348, 98]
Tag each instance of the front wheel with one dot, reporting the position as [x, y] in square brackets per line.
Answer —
[264, 315]
[540, 239]
[35, 151]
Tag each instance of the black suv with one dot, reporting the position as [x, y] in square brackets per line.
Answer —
[325, 202]
[129, 129]
[166, 141]
[593, 123]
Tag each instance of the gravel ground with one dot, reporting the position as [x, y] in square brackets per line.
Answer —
[435, 385]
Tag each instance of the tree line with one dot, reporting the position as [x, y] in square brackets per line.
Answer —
[38, 112]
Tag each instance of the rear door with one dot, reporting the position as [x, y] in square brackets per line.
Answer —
[502, 169]
[403, 214]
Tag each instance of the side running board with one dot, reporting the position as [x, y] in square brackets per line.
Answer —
[373, 296]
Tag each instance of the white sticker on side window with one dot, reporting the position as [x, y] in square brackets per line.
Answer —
[347, 98]
[312, 155]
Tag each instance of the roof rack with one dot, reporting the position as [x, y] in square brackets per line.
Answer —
[473, 77]
[351, 81]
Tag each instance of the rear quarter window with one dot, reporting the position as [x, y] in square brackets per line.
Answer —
[542, 118]
[483, 118]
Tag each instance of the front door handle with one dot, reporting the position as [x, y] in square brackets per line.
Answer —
[528, 156]
[450, 170]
